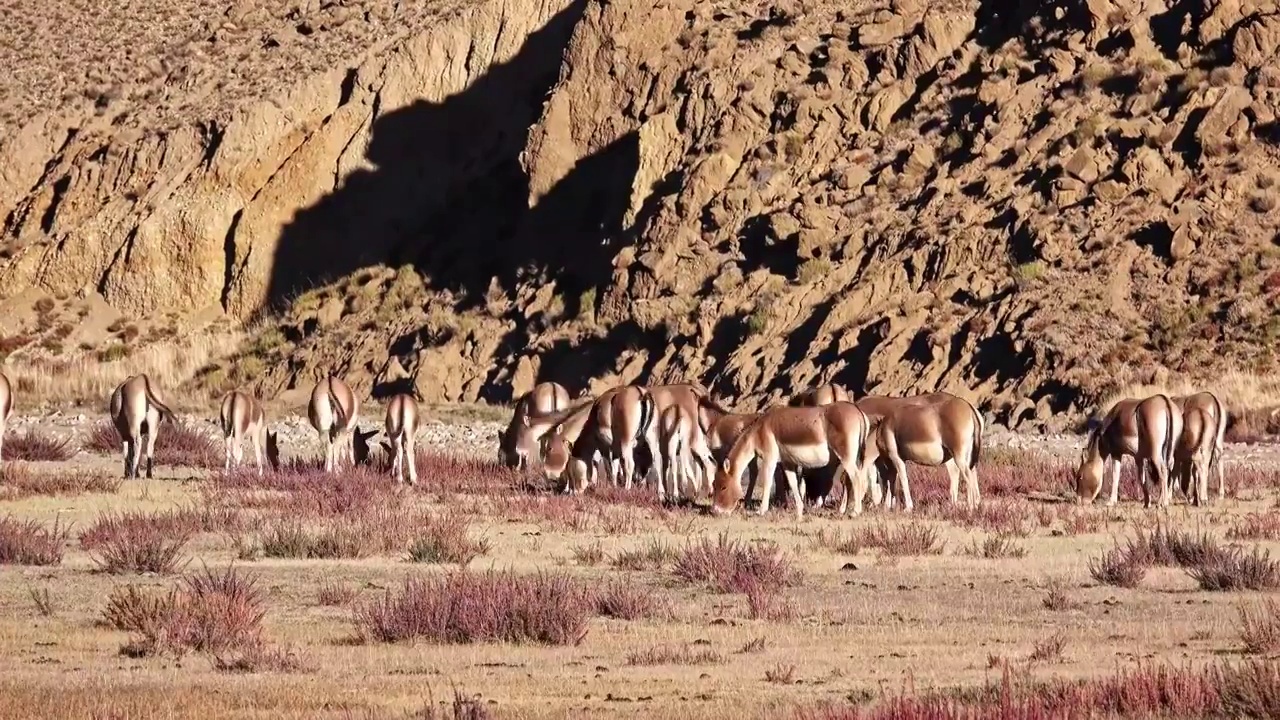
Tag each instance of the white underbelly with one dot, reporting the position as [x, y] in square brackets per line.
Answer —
[923, 453]
[808, 456]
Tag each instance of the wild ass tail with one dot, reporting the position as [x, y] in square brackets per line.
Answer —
[165, 412]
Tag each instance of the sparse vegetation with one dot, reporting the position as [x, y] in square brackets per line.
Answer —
[28, 542]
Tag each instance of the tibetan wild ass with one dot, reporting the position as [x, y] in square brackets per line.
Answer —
[1115, 436]
[1217, 414]
[6, 406]
[816, 483]
[795, 438]
[937, 429]
[563, 432]
[519, 440]
[1159, 424]
[877, 407]
[686, 454]
[136, 412]
[242, 416]
[332, 411]
[1193, 454]
[400, 425]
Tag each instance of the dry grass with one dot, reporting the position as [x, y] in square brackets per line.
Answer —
[33, 445]
[20, 481]
[90, 381]
[1260, 627]
[677, 655]
[28, 542]
[464, 607]
[1244, 394]
[182, 443]
[728, 565]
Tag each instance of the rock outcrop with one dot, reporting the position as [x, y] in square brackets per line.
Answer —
[1030, 205]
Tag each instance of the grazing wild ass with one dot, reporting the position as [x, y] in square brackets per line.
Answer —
[563, 431]
[686, 454]
[935, 429]
[796, 438]
[242, 416]
[1116, 435]
[332, 410]
[1217, 414]
[400, 425]
[136, 412]
[1193, 454]
[520, 440]
[1159, 424]
[6, 407]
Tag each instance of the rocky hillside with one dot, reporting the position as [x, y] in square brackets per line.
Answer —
[1033, 203]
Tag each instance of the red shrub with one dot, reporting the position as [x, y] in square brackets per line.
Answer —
[30, 543]
[729, 566]
[19, 481]
[35, 446]
[181, 443]
[464, 607]
[138, 542]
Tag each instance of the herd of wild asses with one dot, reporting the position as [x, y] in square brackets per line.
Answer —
[696, 447]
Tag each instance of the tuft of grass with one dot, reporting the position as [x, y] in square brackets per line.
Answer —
[913, 538]
[592, 554]
[757, 645]
[336, 593]
[463, 607]
[179, 443]
[1237, 570]
[1116, 567]
[845, 543]
[780, 674]
[653, 555]
[137, 542]
[1049, 650]
[730, 566]
[1260, 627]
[677, 655]
[32, 445]
[43, 602]
[625, 600]
[1256, 526]
[996, 546]
[445, 540]
[210, 612]
[30, 543]
[19, 481]
[1056, 597]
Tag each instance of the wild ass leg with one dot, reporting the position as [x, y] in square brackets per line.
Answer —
[1142, 480]
[128, 459]
[903, 485]
[768, 465]
[406, 442]
[794, 485]
[151, 449]
[1113, 467]
[953, 477]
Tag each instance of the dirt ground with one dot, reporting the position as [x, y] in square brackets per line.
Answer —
[862, 625]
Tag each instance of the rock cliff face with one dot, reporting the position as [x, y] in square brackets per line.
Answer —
[1030, 205]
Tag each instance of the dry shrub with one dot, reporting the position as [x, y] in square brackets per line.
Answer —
[446, 472]
[1006, 517]
[1116, 567]
[844, 542]
[1081, 522]
[464, 607]
[653, 555]
[757, 645]
[1050, 649]
[1256, 526]
[996, 546]
[36, 446]
[1056, 597]
[27, 542]
[1173, 548]
[729, 566]
[336, 593]
[180, 442]
[19, 481]
[137, 542]
[679, 655]
[1235, 569]
[625, 600]
[309, 492]
[780, 674]
[260, 657]
[1249, 689]
[208, 612]
[43, 602]
[913, 538]
[765, 602]
[368, 531]
[592, 554]
[444, 539]
[1260, 627]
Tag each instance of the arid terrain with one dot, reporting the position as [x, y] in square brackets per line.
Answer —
[643, 611]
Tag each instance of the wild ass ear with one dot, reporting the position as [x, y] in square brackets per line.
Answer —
[724, 465]
[524, 419]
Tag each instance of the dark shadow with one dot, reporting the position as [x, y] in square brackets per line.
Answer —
[1156, 237]
[996, 356]
[1186, 142]
[1268, 132]
[777, 18]
[858, 360]
[761, 249]
[447, 192]
[799, 342]
[1166, 28]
